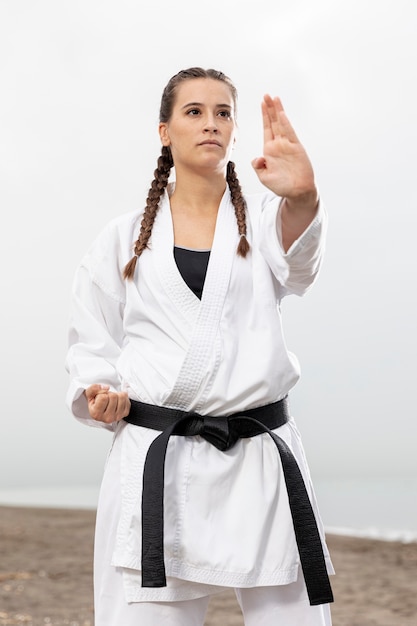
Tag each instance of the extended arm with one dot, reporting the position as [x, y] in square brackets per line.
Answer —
[286, 170]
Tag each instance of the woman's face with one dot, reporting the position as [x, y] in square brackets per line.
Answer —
[202, 128]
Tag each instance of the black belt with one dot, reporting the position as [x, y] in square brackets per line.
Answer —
[223, 432]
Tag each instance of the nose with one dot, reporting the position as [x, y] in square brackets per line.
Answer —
[210, 125]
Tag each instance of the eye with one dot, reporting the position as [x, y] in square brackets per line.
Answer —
[193, 112]
[225, 113]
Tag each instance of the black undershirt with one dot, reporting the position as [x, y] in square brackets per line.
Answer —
[192, 265]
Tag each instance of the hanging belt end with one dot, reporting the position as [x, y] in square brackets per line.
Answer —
[159, 580]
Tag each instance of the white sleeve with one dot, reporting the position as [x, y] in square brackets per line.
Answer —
[297, 269]
[95, 341]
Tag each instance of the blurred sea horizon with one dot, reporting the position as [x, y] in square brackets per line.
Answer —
[385, 510]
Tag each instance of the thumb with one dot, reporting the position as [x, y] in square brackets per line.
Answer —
[259, 164]
[93, 390]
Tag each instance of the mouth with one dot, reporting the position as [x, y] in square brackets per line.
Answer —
[210, 142]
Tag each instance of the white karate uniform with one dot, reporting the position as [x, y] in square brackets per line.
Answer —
[227, 518]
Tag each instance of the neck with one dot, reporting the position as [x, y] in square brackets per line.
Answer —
[198, 193]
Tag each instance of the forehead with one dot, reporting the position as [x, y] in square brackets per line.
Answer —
[204, 90]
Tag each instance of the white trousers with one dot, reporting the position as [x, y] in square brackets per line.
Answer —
[284, 605]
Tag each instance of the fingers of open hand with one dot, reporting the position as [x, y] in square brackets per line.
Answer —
[276, 123]
[270, 115]
[108, 406]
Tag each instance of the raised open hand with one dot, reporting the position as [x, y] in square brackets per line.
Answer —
[284, 167]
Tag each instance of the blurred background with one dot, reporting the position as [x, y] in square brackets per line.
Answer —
[81, 82]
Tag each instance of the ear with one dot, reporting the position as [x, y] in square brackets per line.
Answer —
[163, 134]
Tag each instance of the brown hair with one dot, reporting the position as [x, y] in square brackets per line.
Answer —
[165, 163]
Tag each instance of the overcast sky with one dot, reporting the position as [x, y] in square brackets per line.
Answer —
[80, 87]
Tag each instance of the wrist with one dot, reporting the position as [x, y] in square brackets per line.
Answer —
[307, 201]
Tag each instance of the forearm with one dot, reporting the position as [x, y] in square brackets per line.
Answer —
[297, 213]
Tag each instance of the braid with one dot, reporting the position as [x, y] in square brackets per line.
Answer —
[240, 208]
[156, 190]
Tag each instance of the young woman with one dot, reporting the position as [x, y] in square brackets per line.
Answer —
[179, 350]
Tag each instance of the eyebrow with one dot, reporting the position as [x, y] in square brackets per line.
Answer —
[200, 104]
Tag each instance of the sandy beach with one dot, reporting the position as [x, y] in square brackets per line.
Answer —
[46, 575]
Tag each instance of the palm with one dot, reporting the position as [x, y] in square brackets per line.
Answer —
[284, 167]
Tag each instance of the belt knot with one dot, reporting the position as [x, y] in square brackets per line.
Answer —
[215, 430]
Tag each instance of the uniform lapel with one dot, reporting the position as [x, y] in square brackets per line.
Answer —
[181, 298]
[198, 360]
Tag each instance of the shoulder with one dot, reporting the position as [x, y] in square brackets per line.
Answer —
[115, 240]
[109, 252]
[262, 210]
[122, 227]
[257, 202]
